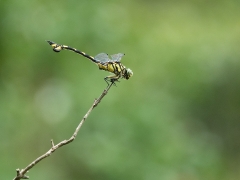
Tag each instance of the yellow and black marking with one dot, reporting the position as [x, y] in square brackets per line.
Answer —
[58, 48]
[110, 65]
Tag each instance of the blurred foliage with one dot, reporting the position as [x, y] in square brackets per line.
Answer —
[177, 118]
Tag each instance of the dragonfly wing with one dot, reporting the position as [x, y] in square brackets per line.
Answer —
[102, 57]
[117, 57]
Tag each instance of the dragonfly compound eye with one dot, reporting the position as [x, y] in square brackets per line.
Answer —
[129, 73]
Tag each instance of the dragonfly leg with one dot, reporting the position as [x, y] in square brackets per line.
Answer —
[112, 79]
[106, 79]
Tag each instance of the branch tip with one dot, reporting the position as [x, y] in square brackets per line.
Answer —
[18, 171]
[52, 143]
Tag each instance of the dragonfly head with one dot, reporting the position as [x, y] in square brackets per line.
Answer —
[129, 73]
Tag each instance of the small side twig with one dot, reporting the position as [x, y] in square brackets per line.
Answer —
[21, 173]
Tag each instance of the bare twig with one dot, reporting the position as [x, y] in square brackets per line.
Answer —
[21, 173]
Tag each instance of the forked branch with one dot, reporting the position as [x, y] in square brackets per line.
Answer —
[21, 174]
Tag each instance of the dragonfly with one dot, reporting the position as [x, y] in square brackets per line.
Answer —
[111, 64]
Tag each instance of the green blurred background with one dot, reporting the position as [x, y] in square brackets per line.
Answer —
[177, 118]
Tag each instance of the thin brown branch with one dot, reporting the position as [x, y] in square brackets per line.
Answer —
[21, 173]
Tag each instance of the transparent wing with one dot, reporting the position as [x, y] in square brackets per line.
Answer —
[117, 57]
[102, 57]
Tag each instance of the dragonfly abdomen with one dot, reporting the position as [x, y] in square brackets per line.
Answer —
[58, 48]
